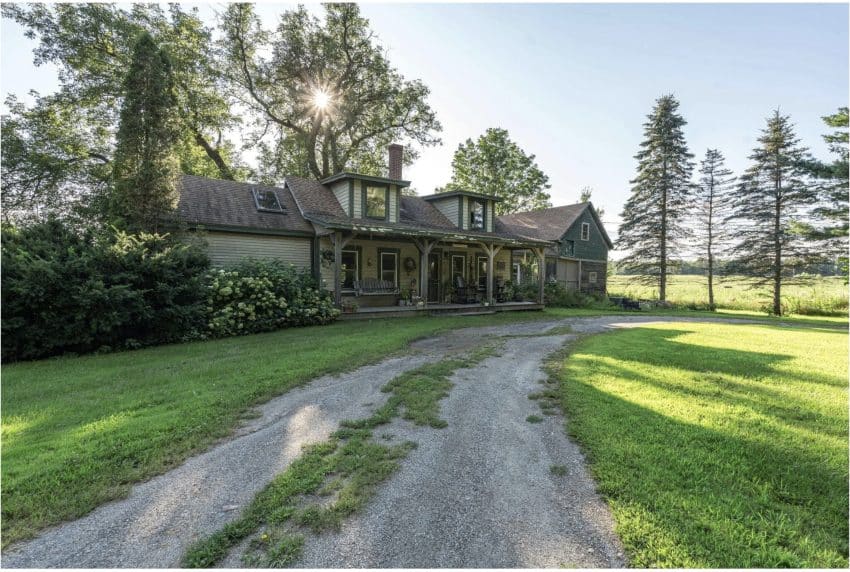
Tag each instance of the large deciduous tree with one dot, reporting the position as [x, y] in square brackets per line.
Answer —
[712, 208]
[91, 45]
[146, 168]
[323, 94]
[653, 216]
[496, 165]
[773, 196]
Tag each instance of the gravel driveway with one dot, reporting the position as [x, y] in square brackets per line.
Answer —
[478, 493]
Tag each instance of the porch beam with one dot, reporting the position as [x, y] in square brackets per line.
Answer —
[540, 253]
[491, 250]
[425, 247]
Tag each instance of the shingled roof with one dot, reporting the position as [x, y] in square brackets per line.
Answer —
[548, 224]
[218, 203]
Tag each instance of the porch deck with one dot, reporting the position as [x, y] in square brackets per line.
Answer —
[438, 309]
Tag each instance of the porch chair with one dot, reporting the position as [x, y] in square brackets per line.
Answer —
[464, 294]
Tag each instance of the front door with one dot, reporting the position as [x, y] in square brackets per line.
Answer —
[434, 277]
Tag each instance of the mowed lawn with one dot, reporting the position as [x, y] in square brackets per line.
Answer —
[825, 296]
[78, 431]
[717, 445]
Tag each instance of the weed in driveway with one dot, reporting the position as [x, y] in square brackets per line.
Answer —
[558, 470]
[534, 419]
[333, 479]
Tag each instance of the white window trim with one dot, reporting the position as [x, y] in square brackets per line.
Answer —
[591, 277]
[585, 231]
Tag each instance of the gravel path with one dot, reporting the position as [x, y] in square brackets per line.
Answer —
[478, 493]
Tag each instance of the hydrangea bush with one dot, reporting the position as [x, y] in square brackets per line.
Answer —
[260, 296]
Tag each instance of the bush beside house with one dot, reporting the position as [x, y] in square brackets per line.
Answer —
[65, 291]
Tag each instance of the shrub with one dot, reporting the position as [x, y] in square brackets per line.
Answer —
[259, 296]
[67, 291]
[556, 295]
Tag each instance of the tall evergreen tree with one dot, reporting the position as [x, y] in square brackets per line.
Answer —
[653, 216]
[830, 228]
[773, 196]
[712, 201]
[146, 167]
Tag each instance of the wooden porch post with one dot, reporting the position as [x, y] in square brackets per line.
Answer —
[541, 272]
[338, 243]
[578, 288]
[425, 246]
[492, 250]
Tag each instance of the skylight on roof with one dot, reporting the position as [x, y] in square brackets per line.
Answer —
[267, 201]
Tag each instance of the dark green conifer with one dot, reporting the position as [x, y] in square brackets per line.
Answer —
[653, 216]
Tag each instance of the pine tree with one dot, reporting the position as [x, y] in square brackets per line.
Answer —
[146, 169]
[653, 216]
[712, 201]
[772, 198]
[584, 197]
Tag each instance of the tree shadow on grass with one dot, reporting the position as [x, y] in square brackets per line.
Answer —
[689, 495]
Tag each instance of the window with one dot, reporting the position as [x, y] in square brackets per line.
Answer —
[350, 268]
[482, 272]
[551, 271]
[517, 273]
[267, 201]
[568, 248]
[376, 202]
[476, 214]
[458, 267]
[591, 277]
[389, 266]
[585, 231]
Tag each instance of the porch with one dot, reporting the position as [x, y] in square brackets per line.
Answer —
[369, 312]
[372, 271]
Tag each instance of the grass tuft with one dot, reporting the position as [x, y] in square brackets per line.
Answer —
[558, 470]
[534, 419]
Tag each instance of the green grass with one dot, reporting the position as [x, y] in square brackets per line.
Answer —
[91, 426]
[812, 296]
[77, 432]
[717, 445]
[347, 467]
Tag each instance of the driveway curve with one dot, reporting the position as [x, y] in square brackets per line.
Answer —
[478, 493]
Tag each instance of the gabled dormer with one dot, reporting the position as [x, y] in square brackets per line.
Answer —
[467, 210]
[368, 197]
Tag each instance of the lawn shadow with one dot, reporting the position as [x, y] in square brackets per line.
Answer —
[688, 495]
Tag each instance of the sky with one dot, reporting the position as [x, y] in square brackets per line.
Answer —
[573, 83]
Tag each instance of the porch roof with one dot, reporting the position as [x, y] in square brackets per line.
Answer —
[418, 230]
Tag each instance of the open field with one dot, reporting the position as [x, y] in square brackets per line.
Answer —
[716, 445]
[814, 296]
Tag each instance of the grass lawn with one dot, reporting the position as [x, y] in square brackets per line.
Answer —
[717, 445]
[826, 295]
[78, 431]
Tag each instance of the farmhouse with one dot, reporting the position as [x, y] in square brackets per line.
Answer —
[365, 240]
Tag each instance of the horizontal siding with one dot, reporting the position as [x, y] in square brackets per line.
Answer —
[227, 248]
[358, 199]
[595, 247]
[393, 203]
[490, 216]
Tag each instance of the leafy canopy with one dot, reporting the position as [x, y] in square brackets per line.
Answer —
[322, 95]
[495, 165]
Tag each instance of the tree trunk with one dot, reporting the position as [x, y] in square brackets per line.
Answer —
[710, 281]
[662, 279]
[214, 155]
[777, 264]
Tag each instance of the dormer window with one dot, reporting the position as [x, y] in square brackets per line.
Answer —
[267, 201]
[376, 202]
[476, 214]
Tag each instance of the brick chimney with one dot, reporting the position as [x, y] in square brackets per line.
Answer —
[396, 155]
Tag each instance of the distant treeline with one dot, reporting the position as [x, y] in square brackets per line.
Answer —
[698, 267]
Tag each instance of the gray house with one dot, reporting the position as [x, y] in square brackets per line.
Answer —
[578, 253]
[365, 240]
